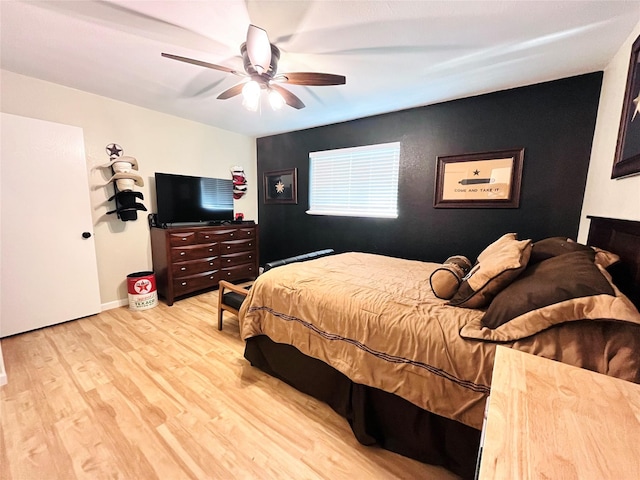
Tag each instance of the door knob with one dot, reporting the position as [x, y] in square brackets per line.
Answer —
[86, 235]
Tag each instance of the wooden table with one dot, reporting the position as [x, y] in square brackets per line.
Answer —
[550, 420]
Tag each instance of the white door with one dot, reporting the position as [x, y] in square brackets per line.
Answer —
[48, 269]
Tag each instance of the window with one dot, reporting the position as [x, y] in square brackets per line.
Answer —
[355, 182]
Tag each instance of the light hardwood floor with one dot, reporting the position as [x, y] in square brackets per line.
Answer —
[162, 393]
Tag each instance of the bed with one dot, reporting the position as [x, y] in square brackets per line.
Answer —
[411, 371]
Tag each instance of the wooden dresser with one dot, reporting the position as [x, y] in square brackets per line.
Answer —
[190, 259]
[547, 419]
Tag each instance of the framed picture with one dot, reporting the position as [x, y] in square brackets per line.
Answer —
[479, 180]
[627, 158]
[281, 186]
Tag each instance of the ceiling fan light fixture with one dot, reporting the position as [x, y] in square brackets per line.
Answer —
[251, 104]
[276, 100]
[260, 60]
[251, 90]
[251, 95]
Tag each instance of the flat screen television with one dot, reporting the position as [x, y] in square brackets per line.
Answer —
[187, 199]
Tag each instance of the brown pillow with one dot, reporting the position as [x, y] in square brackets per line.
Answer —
[604, 258]
[613, 306]
[552, 247]
[497, 266]
[446, 279]
[555, 280]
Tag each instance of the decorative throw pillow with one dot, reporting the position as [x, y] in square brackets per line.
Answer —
[446, 279]
[604, 258]
[561, 289]
[554, 246]
[497, 266]
[552, 281]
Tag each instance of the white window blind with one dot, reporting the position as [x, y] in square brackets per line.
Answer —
[355, 182]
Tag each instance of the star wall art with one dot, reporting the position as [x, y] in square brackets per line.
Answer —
[281, 186]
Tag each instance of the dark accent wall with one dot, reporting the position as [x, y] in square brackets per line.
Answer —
[553, 121]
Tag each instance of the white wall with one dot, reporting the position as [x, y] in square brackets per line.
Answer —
[605, 197]
[158, 141]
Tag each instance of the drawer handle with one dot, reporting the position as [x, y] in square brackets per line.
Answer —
[228, 247]
[211, 277]
[183, 284]
[231, 235]
[250, 256]
[228, 274]
[206, 236]
[183, 253]
[211, 264]
[228, 260]
[183, 269]
[211, 249]
[184, 239]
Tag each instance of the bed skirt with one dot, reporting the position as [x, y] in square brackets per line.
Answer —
[376, 417]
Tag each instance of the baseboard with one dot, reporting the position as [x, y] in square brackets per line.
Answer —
[3, 372]
[115, 304]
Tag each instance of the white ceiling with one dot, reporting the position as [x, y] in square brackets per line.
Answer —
[395, 54]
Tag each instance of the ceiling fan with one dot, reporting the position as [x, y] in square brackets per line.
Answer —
[260, 58]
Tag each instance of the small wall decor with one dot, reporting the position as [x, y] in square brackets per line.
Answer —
[479, 180]
[627, 158]
[281, 186]
[124, 178]
[239, 182]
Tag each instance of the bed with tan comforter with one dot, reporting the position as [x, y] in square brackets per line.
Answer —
[377, 322]
[375, 319]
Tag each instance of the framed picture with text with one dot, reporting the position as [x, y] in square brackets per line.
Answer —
[627, 158]
[281, 186]
[479, 180]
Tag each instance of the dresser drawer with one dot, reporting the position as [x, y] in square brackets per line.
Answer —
[246, 233]
[182, 269]
[194, 252]
[219, 235]
[233, 246]
[209, 236]
[196, 282]
[237, 258]
[182, 238]
[247, 270]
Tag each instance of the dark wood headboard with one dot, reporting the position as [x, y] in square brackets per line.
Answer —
[623, 238]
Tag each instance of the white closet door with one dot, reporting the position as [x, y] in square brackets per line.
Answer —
[48, 269]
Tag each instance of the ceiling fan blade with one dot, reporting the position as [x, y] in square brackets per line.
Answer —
[231, 92]
[258, 48]
[312, 79]
[202, 64]
[289, 97]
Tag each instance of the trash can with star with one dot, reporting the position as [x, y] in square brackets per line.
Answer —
[141, 287]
